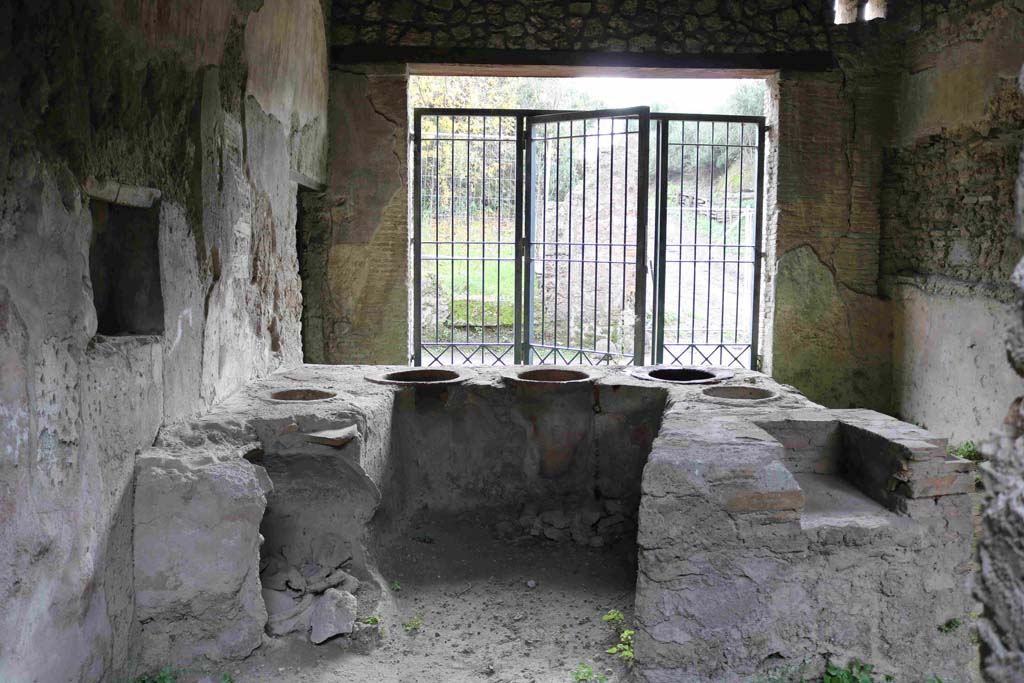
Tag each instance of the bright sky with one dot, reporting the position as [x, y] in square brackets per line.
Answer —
[690, 96]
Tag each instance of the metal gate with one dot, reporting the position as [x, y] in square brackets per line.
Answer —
[531, 240]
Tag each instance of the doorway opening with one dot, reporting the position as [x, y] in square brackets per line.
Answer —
[575, 233]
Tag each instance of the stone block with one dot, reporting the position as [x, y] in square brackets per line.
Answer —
[333, 614]
[197, 540]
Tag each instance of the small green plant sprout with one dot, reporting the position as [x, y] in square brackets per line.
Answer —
[165, 675]
[414, 624]
[624, 648]
[967, 450]
[855, 672]
[371, 621]
[615, 618]
[584, 673]
[951, 625]
[226, 678]
[395, 586]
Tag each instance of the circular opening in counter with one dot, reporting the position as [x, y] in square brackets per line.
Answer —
[552, 376]
[421, 376]
[739, 393]
[689, 375]
[302, 395]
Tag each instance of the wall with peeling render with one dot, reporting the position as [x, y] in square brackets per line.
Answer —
[948, 247]
[215, 105]
[830, 329]
[356, 267]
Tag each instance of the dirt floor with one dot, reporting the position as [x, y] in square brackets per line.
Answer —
[481, 619]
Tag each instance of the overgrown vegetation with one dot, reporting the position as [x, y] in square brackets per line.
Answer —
[165, 675]
[169, 675]
[967, 450]
[951, 625]
[584, 673]
[615, 618]
[624, 648]
[854, 672]
[414, 624]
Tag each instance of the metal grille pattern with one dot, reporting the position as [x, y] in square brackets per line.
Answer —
[587, 183]
[710, 209]
[531, 239]
[466, 194]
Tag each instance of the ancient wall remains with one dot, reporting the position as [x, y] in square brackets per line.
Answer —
[661, 27]
[196, 115]
[948, 247]
[357, 231]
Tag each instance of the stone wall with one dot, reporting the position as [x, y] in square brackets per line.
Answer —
[829, 327]
[357, 232]
[214, 107]
[834, 345]
[664, 27]
[1000, 581]
[948, 248]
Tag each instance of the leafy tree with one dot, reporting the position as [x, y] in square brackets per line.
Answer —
[746, 100]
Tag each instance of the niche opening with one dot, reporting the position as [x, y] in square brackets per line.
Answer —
[124, 265]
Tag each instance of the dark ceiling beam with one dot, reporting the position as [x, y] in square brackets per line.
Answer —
[794, 61]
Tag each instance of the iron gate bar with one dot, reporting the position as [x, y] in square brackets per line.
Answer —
[535, 136]
[732, 254]
[416, 247]
[755, 361]
[643, 192]
[522, 243]
[660, 243]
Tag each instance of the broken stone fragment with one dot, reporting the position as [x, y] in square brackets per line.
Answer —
[281, 577]
[286, 612]
[338, 578]
[335, 438]
[330, 550]
[366, 637]
[555, 518]
[613, 506]
[295, 581]
[556, 534]
[334, 613]
[611, 523]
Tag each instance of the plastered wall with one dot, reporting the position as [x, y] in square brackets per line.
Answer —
[948, 245]
[215, 105]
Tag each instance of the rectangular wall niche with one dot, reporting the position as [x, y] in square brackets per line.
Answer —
[124, 264]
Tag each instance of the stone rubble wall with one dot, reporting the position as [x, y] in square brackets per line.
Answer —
[947, 247]
[1000, 581]
[755, 571]
[617, 26]
[214, 107]
[355, 284]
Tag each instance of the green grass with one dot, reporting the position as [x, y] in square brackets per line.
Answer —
[474, 313]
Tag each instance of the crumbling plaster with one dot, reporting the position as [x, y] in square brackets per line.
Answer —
[357, 270]
[948, 247]
[154, 95]
[1000, 582]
